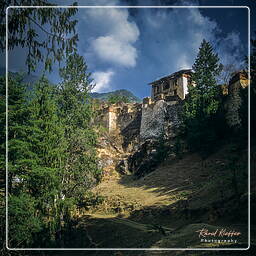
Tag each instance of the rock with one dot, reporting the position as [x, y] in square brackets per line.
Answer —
[146, 158]
[105, 162]
[122, 167]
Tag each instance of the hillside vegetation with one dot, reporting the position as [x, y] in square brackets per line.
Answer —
[123, 92]
[166, 207]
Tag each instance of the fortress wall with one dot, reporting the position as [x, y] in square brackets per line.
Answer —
[160, 119]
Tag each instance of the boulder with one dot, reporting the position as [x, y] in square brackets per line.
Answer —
[122, 167]
[148, 156]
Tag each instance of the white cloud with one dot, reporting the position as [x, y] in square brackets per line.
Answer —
[183, 62]
[102, 80]
[111, 49]
[116, 36]
[179, 35]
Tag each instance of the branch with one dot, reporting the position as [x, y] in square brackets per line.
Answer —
[44, 30]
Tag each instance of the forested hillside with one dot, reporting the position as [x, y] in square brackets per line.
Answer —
[119, 93]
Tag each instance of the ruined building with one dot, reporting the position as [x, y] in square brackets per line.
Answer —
[233, 102]
[158, 115]
[135, 130]
[169, 87]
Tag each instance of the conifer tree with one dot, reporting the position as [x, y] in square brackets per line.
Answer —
[17, 117]
[203, 100]
[36, 155]
[22, 220]
[75, 108]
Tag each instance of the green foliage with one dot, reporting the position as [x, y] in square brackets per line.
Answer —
[162, 150]
[178, 148]
[52, 153]
[204, 100]
[23, 222]
[51, 143]
[47, 34]
[90, 199]
[115, 98]
[252, 91]
[105, 95]
[75, 74]
[75, 109]
[34, 152]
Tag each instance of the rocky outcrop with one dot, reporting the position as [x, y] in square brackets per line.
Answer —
[122, 167]
[110, 153]
[132, 143]
[147, 157]
[129, 121]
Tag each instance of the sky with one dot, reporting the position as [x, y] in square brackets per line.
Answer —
[131, 47]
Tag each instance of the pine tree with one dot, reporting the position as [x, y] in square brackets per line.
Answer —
[46, 139]
[52, 154]
[17, 118]
[203, 100]
[81, 170]
[36, 142]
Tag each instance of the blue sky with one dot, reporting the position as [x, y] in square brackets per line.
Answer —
[128, 48]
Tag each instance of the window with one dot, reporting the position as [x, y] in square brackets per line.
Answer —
[166, 85]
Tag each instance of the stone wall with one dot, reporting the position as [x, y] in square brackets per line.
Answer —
[122, 119]
[136, 123]
[160, 119]
[234, 101]
[129, 121]
[152, 120]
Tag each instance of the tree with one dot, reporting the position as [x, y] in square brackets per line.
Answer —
[203, 101]
[23, 223]
[81, 170]
[35, 163]
[115, 98]
[252, 88]
[17, 117]
[47, 34]
[52, 156]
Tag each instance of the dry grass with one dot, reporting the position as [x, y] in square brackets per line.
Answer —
[133, 209]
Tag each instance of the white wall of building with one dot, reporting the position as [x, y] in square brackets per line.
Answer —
[185, 86]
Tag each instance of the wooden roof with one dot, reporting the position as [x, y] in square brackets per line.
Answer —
[172, 76]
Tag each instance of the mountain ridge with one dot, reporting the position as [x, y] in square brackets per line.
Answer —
[122, 92]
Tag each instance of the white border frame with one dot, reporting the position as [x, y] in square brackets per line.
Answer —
[129, 249]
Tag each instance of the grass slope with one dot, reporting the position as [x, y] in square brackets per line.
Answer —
[166, 208]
